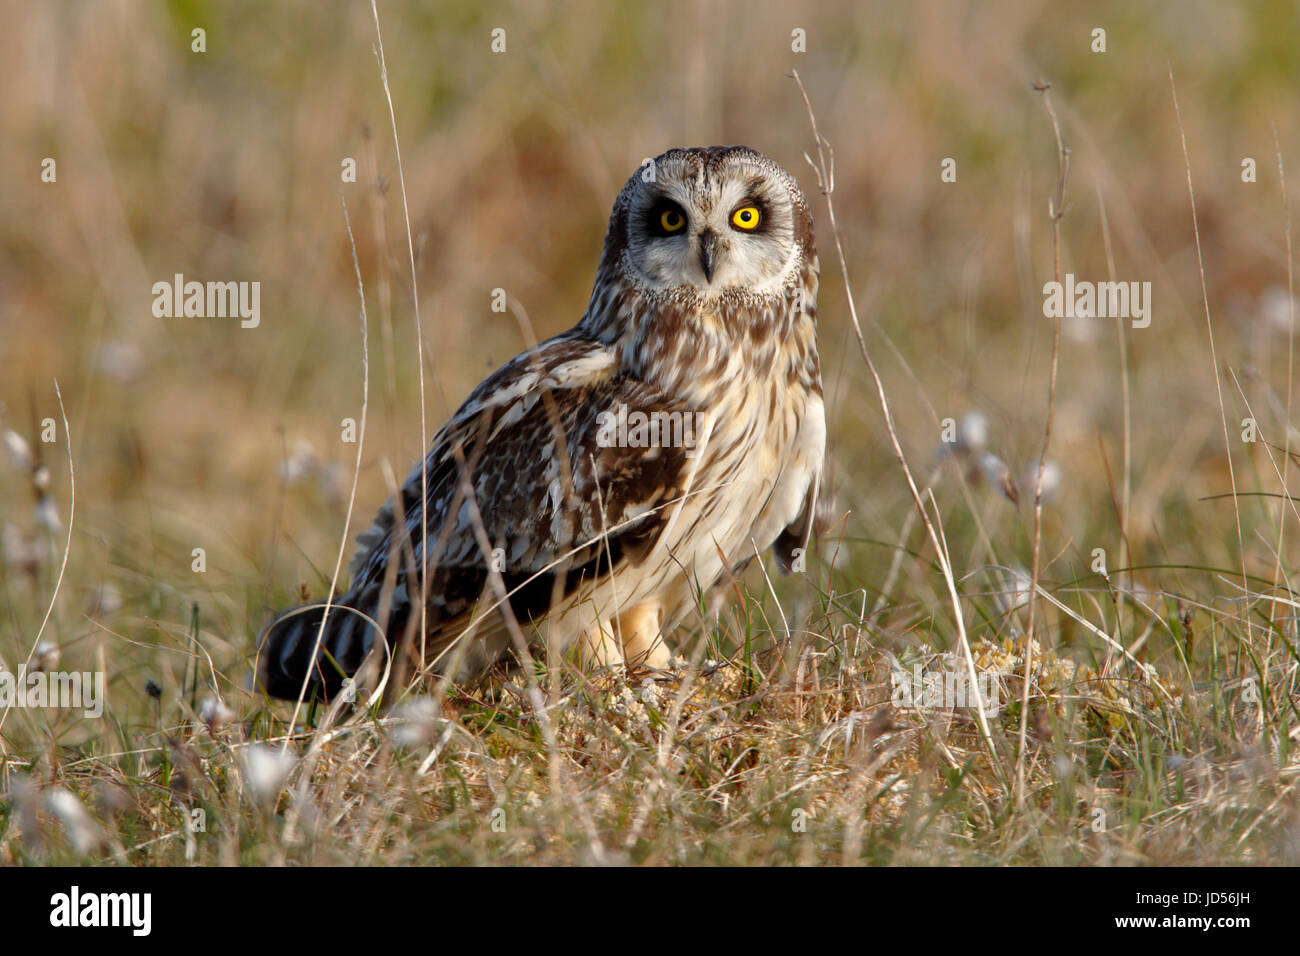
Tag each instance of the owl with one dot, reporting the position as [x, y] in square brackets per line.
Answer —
[587, 493]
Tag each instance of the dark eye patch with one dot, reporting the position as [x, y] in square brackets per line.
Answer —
[652, 221]
[764, 214]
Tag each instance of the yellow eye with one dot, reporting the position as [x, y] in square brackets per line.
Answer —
[746, 217]
[671, 220]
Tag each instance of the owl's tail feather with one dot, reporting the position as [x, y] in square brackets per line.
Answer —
[291, 663]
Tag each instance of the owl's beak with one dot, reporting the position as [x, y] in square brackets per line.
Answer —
[708, 253]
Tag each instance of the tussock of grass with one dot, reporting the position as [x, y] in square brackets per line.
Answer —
[796, 754]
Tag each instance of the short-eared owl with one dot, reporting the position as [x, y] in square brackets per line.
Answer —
[605, 478]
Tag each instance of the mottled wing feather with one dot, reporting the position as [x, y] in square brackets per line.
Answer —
[554, 504]
[798, 533]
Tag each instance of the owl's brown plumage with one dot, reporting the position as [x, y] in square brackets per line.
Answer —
[702, 320]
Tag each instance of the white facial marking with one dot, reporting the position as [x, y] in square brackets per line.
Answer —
[760, 260]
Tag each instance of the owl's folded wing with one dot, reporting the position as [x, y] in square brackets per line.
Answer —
[555, 471]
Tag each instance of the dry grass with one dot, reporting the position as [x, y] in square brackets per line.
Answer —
[1158, 723]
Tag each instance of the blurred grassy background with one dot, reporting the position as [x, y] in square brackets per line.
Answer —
[226, 165]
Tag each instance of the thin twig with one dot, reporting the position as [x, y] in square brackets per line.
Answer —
[1126, 489]
[1214, 358]
[1290, 363]
[826, 180]
[419, 342]
[1056, 209]
[356, 474]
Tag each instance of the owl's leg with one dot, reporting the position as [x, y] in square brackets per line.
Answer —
[601, 648]
[639, 629]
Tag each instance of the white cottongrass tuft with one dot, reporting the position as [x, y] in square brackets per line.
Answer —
[1017, 586]
[973, 432]
[414, 723]
[85, 835]
[970, 444]
[20, 551]
[1052, 479]
[265, 770]
[1275, 309]
[19, 452]
[46, 656]
[996, 473]
[214, 712]
[301, 463]
[47, 515]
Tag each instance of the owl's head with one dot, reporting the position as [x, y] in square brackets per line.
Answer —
[706, 220]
